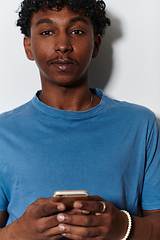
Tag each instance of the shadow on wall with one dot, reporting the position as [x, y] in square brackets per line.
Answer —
[101, 67]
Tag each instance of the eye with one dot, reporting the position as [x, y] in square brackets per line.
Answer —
[46, 33]
[77, 32]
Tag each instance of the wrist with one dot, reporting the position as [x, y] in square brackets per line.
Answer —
[6, 233]
[129, 229]
[11, 232]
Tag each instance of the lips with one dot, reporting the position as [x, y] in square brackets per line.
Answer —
[63, 65]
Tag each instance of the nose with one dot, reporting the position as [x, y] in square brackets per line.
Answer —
[63, 43]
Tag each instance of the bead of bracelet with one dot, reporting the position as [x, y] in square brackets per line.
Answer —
[129, 228]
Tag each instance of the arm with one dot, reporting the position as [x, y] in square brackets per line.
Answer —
[148, 226]
[3, 218]
[112, 224]
[39, 222]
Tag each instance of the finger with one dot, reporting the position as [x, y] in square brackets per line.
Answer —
[56, 237]
[91, 206]
[81, 220]
[46, 223]
[47, 227]
[76, 237]
[47, 209]
[77, 212]
[52, 233]
[41, 201]
[80, 231]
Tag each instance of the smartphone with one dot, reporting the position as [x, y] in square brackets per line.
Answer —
[69, 197]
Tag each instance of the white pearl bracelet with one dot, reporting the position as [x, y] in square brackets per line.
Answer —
[129, 225]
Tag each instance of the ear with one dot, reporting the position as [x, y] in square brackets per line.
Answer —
[27, 47]
[97, 43]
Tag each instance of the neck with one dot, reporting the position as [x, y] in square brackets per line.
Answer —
[69, 99]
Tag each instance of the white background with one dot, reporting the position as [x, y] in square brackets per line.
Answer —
[127, 68]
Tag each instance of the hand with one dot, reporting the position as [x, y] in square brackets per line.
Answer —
[111, 224]
[39, 222]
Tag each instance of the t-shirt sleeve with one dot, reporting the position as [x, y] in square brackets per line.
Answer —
[151, 185]
[3, 199]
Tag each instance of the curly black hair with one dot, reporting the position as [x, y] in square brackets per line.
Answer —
[94, 9]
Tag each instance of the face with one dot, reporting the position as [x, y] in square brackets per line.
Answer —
[62, 43]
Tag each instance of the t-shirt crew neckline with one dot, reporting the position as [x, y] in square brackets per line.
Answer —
[68, 114]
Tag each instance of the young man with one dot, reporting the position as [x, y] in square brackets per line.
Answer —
[71, 137]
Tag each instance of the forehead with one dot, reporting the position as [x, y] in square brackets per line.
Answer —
[63, 17]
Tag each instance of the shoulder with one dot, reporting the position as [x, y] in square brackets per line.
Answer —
[125, 115]
[17, 114]
[129, 111]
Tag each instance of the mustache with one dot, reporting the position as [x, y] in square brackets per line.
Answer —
[63, 60]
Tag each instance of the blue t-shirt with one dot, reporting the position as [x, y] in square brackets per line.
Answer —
[111, 150]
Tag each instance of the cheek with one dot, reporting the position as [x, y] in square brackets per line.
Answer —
[41, 53]
[85, 50]
[86, 56]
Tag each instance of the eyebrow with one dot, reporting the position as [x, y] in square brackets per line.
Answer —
[73, 20]
[79, 19]
[44, 20]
